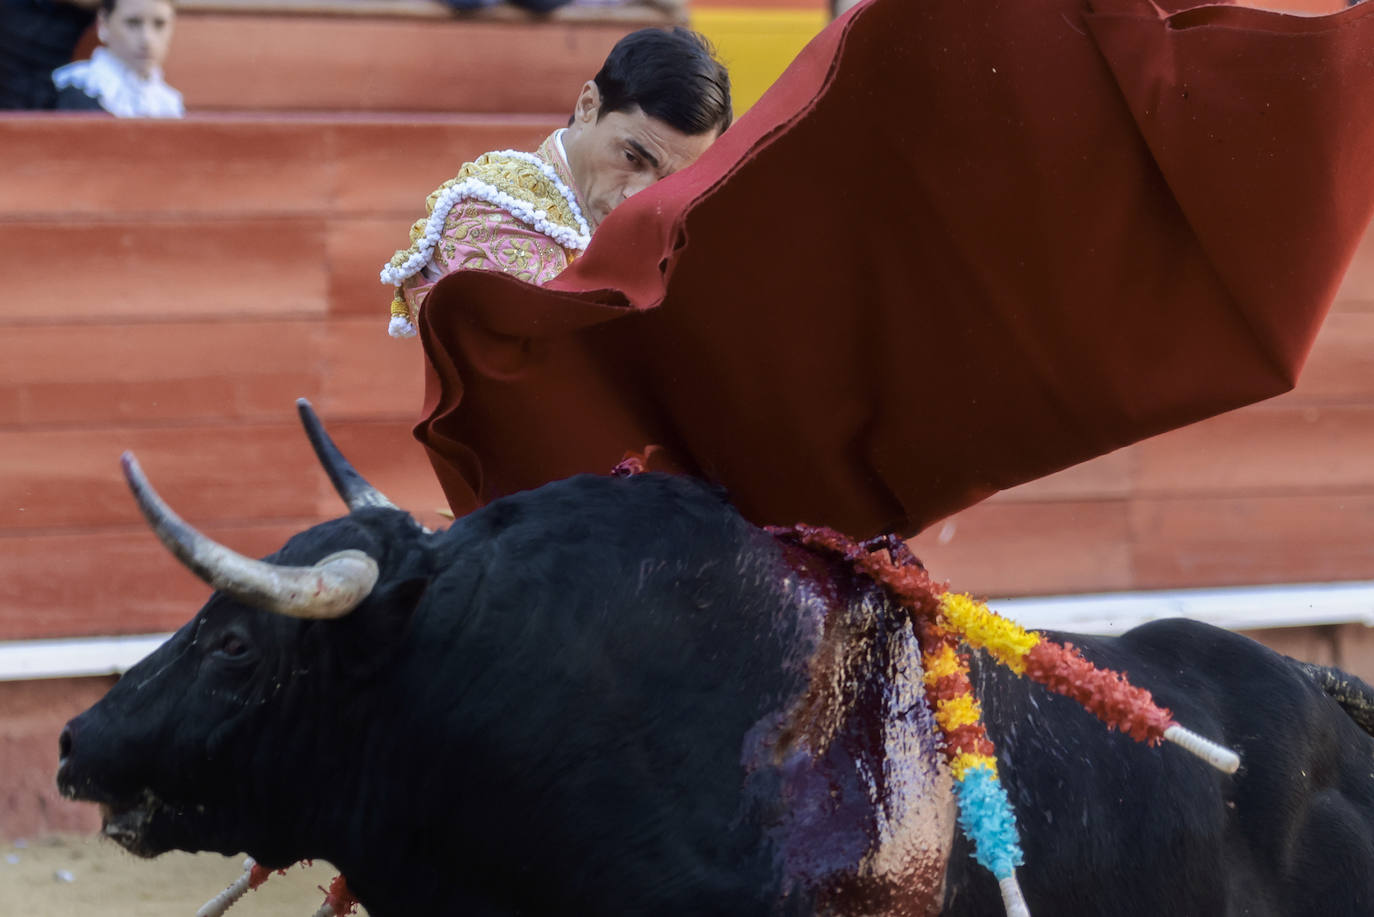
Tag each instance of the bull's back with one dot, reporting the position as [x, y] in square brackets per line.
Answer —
[1113, 827]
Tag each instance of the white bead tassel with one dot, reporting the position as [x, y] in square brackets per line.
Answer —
[1012, 899]
[396, 274]
[326, 910]
[217, 905]
[1220, 757]
[578, 239]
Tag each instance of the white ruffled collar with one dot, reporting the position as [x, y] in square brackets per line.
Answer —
[119, 90]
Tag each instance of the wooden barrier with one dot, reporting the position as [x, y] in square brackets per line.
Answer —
[391, 55]
[171, 288]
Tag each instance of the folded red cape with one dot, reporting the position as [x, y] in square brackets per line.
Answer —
[956, 247]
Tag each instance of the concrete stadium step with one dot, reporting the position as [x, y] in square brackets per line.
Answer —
[112, 582]
[214, 472]
[274, 165]
[75, 557]
[216, 268]
[390, 55]
[1005, 548]
[253, 267]
[240, 370]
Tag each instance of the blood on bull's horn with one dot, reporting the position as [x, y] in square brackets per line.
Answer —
[351, 485]
[330, 589]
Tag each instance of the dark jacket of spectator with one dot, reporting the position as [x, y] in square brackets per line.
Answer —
[36, 37]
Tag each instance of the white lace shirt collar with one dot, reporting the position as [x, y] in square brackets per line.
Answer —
[119, 90]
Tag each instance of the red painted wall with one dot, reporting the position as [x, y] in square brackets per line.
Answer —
[171, 288]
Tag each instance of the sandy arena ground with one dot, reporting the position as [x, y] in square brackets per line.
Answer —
[70, 876]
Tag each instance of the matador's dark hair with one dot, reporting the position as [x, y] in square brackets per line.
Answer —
[672, 74]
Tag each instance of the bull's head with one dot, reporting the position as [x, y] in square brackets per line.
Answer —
[601, 684]
[197, 706]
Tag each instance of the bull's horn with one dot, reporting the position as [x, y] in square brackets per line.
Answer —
[352, 487]
[330, 589]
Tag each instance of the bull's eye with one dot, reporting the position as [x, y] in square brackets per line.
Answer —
[230, 645]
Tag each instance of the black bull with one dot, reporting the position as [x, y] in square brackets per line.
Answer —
[585, 699]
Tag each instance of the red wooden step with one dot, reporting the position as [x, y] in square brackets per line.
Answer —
[197, 372]
[1224, 541]
[1341, 365]
[210, 473]
[1358, 286]
[1107, 477]
[169, 270]
[117, 581]
[264, 61]
[166, 270]
[1013, 548]
[105, 373]
[241, 165]
[356, 250]
[1265, 450]
[32, 714]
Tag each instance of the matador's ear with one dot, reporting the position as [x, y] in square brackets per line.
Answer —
[588, 104]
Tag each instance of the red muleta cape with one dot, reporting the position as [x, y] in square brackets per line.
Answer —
[956, 247]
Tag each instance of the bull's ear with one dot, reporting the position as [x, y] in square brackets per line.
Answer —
[369, 638]
[393, 604]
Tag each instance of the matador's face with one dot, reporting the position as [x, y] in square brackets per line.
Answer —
[623, 152]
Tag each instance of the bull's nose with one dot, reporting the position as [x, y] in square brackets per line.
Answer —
[66, 784]
[64, 743]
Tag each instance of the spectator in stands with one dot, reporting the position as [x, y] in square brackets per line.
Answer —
[124, 74]
[660, 99]
[36, 37]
